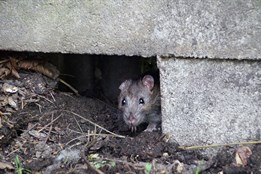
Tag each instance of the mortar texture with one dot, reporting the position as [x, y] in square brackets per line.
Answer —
[210, 101]
[191, 28]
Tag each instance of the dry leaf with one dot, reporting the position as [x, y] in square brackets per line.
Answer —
[179, 166]
[43, 67]
[13, 62]
[9, 88]
[37, 134]
[242, 154]
[6, 166]
[12, 66]
[4, 72]
[12, 103]
[239, 162]
[15, 73]
[8, 66]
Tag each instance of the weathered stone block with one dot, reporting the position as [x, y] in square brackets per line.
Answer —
[211, 101]
[188, 28]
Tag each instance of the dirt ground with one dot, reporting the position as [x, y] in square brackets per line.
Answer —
[43, 130]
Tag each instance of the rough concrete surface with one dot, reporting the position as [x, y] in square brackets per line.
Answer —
[210, 101]
[213, 28]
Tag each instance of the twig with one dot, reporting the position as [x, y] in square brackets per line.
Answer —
[39, 106]
[52, 96]
[22, 104]
[218, 145]
[78, 124]
[134, 165]
[25, 132]
[12, 152]
[69, 86]
[116, 135]
[76, 144]
[89, 135]
[77, 132]
[67, 94]
[3, 61]
[74, 139]
[49, 132]
[50, 123]
[46, 99]
[5, 113]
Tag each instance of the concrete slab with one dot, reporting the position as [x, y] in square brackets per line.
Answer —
[210, 101]
[187, 28]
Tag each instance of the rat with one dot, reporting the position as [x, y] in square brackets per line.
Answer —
[139, 101]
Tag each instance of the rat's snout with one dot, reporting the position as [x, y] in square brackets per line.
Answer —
[131, 119]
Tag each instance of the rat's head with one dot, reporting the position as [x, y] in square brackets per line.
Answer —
[135, 100]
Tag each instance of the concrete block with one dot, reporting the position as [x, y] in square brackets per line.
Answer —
[188, 28]
[212, 29]
[210, 101]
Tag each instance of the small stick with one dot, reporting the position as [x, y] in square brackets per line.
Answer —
[52, 96]
[46, 99]
[3, 61]
[77, 132]
[12, 152]
[69, 86]
[22, 104]
[116, 135]
[78, 124]
[218, 145]
[88, 135]
[74, 139]
[5, 113]
[50, 123]
[25, 132]
[39, 106]
[49, 132]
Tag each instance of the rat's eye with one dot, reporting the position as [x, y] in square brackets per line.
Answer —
[123, 102]
[141, 101]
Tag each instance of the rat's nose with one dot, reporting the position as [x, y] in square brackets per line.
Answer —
[131, 119]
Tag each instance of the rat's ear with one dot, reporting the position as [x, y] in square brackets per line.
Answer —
[124, 85]
[148, 81]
